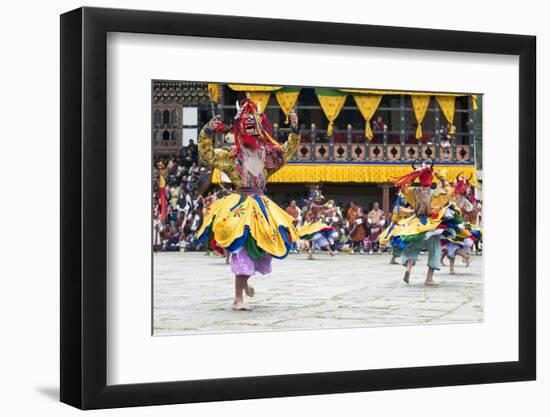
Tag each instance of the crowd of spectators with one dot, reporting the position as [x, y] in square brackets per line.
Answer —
[185, 179]
[188, 192]
[358, 227]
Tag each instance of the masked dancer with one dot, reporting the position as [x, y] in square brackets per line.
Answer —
[433, 218]
[467, 233]
[247, 223]
[315, 230]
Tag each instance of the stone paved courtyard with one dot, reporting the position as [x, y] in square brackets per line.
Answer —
[193, 293]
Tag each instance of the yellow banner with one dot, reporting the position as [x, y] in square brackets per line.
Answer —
[332, 106]
[408, 93]
[367, 105]
[420, 107]
[260, 98]
[245, 87]
[287, 101]
[213, 91]
[447, 104]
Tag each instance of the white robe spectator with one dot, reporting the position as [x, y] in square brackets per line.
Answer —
[157, 229]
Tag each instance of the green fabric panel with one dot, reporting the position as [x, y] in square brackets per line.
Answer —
[308, 237]
[413, 238]
[458, 218]
[328, 92]
[252, 249]
[290, 90]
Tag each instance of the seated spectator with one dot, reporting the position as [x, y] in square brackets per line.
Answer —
[378, 128]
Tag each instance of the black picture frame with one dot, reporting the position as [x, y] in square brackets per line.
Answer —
[84, 207]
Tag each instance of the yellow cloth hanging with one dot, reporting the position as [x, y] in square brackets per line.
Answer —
[246, 87]
[420, 106]
[474, 102]
[357, 173]
[287, 100]
[260, 98]
[332, 106]
[447, 104]
[213, 91]
[398, 93]
[367, 105]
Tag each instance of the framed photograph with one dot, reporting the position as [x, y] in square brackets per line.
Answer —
[257, 208]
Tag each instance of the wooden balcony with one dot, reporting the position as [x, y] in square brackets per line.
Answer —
[316, 147]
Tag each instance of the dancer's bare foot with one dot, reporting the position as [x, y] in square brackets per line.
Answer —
[332, 253]
[431, 282]
[241, 306]
[451, 272]
[393, 261]
[310, 257]
[468, 261]
[406, 277]
[249, 290]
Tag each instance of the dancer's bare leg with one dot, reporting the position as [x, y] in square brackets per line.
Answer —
[410, 264]
[451, 266]
[467, 259]
[227, 257]
[430, 277]
[392, 260]
[330, 251]
[239, 304]
[442, 259]
[310, 256]
[248, 289]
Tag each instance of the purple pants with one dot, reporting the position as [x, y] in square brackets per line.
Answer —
[242, 264]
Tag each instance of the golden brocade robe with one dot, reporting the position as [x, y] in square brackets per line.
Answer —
[428, 209]
[222, 159]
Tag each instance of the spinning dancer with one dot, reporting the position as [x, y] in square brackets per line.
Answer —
[314, 229]
[467, 234]
[401, 210]
[465, 198]
[247, 223]
[433, 218]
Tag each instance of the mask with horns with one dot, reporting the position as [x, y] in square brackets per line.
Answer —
[252, 130]
[423, 173]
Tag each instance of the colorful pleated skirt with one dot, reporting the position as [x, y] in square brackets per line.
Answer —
[309, 230]
[249, 222]
[447, 223]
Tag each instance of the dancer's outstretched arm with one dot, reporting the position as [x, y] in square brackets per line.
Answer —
[216, 158]
[291, 145]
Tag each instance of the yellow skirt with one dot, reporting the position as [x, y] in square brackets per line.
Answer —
[307, 230]
[414, 228]
[252, 222]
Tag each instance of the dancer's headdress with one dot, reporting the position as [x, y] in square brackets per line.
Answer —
[462, 184]
[275, 155]
[423, 173]
[315, 194]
